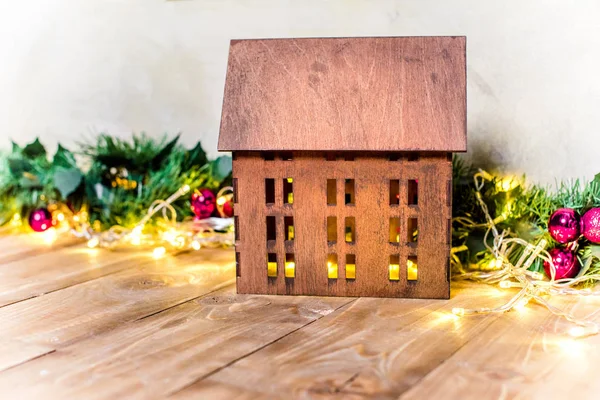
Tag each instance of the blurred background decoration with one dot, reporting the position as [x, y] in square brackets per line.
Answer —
[125, 184]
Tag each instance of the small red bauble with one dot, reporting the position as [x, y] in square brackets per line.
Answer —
[228, 209]
[564, 225]
[590, 225]
[565, 263]
[203, 203]
[40, 220]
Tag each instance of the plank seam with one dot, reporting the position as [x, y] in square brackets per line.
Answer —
[62, 288]
[223, 285]
[28, 360]
[230, 363]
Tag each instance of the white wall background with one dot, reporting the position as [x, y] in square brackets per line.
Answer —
[69, 69]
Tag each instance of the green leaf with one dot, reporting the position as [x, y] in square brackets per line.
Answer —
[15, 148]
[64, 158]
[221, 167]
[34, 149]
[18, 166]
[67, 180]
[162, 155]
[195, 157]
[597, 177]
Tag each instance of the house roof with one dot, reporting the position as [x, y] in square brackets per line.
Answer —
[373, 94]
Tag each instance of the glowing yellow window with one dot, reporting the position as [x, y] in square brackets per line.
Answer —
[289, 228]
[290, 265]
[288, 191]
[350, 266]
[350, 229]
[332, 266]
[394, 267]
[272, 265]
[411, 268]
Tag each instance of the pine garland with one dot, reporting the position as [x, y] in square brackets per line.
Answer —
[522, 210]
[124, 178]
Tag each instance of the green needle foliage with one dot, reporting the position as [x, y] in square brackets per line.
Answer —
[522, 210]
[125, 178]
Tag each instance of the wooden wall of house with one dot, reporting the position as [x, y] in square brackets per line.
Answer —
[372, 211]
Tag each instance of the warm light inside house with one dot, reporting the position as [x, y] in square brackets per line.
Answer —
[272, 265]
[290, 266]
[289, 228]
[411, 268]
[394, 230]
[412, 230]
[332, 266]
[350, 266]
[288, 191]
[350, 229]
[394, 268]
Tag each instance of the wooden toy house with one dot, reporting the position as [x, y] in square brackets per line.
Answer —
[342, 169]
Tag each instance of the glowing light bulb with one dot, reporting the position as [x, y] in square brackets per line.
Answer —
[507, 184]
[221, 200]
[135, 234]
[170, 236]
[196, 245]
[520, 305]
[185, 189]
[49, 236]
[505, 284]
[577, 331]
[16, 219]
[93, 242]
[159, 252]
[581, 331]
[459, 311]
[60, 217]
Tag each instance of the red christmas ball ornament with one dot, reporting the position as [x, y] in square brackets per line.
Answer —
[590, 225]
[40, 220]
[203, 203]
[564, 225]
[565, 263]
[228, 209]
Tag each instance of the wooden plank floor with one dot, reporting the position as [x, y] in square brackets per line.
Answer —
[79, 323]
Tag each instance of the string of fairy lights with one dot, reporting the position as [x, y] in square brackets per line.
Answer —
[165, 236]
[533, 285]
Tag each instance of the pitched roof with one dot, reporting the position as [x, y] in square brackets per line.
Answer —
[383, 93]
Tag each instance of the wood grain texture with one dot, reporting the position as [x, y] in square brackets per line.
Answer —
[372, 211]
[13, 353]
[21, 246]
[168, 351]
[371, 348]
[383, 93]
[523, 355]
[50, 271]
[164, 329]
[80, 311]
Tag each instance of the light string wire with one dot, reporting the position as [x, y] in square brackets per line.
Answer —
[532, 284]
[184, 236]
